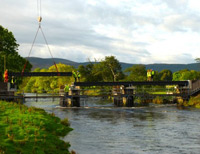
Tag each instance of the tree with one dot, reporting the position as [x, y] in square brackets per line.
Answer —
[7, 41]
[8, 49]
[186, 74]
[136, 73]
[90, 73]
[165, 75]
[197, 60]
[111, 69]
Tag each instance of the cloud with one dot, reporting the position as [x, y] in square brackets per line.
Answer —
[134, 31]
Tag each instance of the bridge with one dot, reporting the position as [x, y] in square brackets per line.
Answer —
[133, 83]
[124, 91]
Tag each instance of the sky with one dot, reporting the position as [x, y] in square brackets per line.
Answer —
[134, 31]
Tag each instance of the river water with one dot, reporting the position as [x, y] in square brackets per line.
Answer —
[99, 127]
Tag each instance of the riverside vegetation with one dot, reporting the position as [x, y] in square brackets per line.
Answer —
[31, 130]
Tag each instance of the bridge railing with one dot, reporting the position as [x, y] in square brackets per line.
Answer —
[195, 84]
[195, 87]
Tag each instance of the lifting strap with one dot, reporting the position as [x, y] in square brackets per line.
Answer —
[39, 28]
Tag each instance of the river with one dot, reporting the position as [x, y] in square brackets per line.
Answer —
[99, 127]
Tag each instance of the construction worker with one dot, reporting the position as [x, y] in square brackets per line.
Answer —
[78, 76]
[66, 89]
[148, 75]
[13, 82]
[6, 76]
[74, 75]
[152, 74]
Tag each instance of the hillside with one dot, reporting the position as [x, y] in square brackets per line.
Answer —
[47, 62]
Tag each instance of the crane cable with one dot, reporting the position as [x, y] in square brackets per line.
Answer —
[39, 10]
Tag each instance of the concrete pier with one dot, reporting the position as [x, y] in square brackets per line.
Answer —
[72, 99]
[123, 96]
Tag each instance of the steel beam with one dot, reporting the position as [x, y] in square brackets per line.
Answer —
[26, 74]
[133, 83]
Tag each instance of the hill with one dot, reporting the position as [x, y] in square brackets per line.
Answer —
[47, 62]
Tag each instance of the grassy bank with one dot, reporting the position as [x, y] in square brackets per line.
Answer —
[194, 101]
[31, 130]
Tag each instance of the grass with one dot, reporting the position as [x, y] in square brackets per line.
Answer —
[31, 130]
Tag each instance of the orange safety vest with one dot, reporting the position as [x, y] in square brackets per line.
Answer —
[6, 76]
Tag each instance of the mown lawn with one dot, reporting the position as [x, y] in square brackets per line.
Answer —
[31, 130]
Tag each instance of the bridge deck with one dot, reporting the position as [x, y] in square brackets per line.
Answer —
[19, 74]
[133, 83]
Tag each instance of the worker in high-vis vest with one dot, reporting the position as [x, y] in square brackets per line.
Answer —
[6, 76]
[152, 74]
[148, 75]
[78, 76]
[12, 82]
[74, 75]
[66, 89]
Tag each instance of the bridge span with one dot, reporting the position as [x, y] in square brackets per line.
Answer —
[133, 83]
[124, 93]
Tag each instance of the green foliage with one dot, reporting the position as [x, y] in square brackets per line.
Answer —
[111, 69]
[30, 130]
[194, 101]
[165, 75]
[47, 84]
[136, 73]
[108, 69]
[186, 75]
[65, 122]
[8, 52]
[7, 41]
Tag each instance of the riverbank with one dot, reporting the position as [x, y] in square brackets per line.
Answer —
[31, 130]
[195, 101]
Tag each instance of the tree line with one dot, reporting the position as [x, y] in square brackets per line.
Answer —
[107, 70]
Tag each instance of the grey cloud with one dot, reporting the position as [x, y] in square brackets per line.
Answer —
[177, 5]
[71, 23]
[182, 23]
[134, 56]
[183, 58]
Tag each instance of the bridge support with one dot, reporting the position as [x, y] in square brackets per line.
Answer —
[123, 96]
[72, 99]
[5, 92]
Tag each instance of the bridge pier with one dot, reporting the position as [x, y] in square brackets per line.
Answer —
[6, 93]
[123, 96]
[72, 99]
